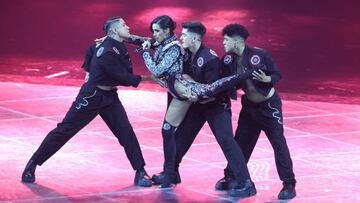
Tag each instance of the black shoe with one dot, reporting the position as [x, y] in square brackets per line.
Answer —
[168, 180]
[159, 178]
[243, 189]
[166, 185]
[142, 179]
[28, 176]
[224, 183]
[287, 192]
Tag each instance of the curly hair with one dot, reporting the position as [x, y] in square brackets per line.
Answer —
[235, 29]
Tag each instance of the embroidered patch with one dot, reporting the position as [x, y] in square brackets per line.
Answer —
[276, 114]
[213, 52]
[200, 61]
[166, 126]
[227, 59]
[116, 50]
[85, 99]
[100, 51]
[255, 59]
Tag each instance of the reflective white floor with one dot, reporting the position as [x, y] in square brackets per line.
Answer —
[324, 140]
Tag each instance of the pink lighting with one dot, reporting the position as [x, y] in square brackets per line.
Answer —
[315, 45]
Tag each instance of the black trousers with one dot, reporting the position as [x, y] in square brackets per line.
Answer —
[89, 103]
[266, 116]
[218, 117]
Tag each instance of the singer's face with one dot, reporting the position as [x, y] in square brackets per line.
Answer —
[158, 33]
[123, 29]
[187, 38]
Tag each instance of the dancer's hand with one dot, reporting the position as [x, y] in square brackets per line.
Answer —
[260, 75]
[190, 95]
[146, 45]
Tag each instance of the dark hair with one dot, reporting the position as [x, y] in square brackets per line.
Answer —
[195, 27]
[164, 22]
[235, 29]
[109, 22]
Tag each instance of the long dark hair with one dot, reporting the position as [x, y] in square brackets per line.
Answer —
[164, 22]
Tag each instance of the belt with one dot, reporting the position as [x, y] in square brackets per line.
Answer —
[105, 88]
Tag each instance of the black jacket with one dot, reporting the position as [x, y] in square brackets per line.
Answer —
[253, 59]
[204, 68]
[109, 64]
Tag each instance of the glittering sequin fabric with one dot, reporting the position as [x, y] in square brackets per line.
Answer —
[166, 62]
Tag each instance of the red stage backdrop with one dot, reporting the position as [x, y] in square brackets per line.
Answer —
[314, 43]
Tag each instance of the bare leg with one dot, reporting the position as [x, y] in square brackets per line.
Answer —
[175, 114]
[189, 88]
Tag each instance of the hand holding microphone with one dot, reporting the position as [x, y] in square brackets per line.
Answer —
[145, 45]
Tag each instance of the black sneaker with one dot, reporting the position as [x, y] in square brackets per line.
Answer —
[168, 180]
[224, 183]
[243, 189]
[167, 185]
[287, 192]
[28, 175]
[159, 178]
[142, 179]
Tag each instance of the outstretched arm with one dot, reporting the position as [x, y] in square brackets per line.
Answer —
[223, 84]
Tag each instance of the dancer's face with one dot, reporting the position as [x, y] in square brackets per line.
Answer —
[187, 38]
[229, 43]
[123, 30]
[160, 34]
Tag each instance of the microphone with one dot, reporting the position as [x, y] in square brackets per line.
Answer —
[139, 49]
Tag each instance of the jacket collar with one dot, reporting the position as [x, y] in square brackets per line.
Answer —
[169, 40]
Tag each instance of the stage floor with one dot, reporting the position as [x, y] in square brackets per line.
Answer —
[323, 138]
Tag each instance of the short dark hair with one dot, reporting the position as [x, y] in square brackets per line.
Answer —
[195, 27]
[109, 22]
[164, 22]
[235, 29]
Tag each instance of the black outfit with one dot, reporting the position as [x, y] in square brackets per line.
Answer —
[109, 65]
[257, 116]
[205, 68]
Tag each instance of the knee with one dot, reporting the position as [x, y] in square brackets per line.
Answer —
[168, 130]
